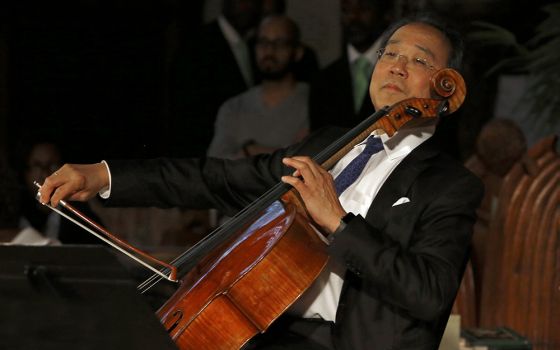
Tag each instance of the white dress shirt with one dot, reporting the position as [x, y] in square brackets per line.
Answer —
[321, 299]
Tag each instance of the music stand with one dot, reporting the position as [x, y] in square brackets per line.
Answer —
[72, 297]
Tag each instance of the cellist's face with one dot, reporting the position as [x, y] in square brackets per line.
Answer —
[413, 53]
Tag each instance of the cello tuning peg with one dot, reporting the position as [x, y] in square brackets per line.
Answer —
[413, 111]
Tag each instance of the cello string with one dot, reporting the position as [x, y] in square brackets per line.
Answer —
[220, 234]
[216, 237]
[145, 286]
[243, 215]
[273, 193]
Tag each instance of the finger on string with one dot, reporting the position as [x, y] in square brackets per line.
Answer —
[304, 165]
[290, 180]
[290, 163]
[311, 164]
[296, 183]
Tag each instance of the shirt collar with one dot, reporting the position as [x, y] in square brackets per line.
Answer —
[405, 139]
[231, 35]
[370, 54]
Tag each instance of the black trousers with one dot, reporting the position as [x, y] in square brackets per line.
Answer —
[293, 333]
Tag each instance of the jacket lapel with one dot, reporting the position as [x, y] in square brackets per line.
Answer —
[398, 183]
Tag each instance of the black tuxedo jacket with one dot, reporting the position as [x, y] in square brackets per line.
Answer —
[404, 262]
[331, 96]
[203, 77]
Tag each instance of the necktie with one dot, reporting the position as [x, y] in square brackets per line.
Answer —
[361, 70]
[356, 166]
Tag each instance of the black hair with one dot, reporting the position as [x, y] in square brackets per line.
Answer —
[293, 28]
[455, 39]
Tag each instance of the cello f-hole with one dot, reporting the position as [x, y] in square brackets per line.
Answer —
[176, 318]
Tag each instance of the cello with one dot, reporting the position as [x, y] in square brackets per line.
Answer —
[259, 264]
[234, 283]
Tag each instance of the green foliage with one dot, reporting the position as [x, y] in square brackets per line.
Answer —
[539, 58]
[544, 64]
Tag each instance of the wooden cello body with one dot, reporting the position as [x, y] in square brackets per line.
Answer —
[254, 274]
[242, 288]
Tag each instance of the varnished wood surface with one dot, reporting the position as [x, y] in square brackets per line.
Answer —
[254, 279]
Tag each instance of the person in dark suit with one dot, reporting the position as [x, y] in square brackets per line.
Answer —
[338, 95]
[399, 232]
[216, 63]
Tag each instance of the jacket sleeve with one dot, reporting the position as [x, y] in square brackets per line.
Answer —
[228, 185]
[192, 183]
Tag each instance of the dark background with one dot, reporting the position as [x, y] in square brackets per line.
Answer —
[93, 74]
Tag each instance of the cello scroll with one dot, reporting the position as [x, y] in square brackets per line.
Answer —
[449, 90]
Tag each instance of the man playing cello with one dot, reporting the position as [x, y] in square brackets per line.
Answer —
[399, 228]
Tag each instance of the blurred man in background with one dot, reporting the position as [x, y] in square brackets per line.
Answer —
[338, 96]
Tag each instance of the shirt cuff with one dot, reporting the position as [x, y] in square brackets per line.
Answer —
[105, 192]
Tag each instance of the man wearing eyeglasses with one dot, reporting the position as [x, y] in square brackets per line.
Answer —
[272, 114]
[398, 232]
